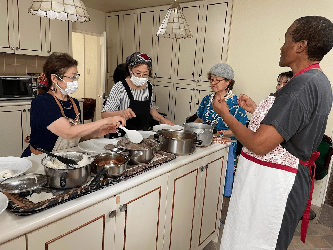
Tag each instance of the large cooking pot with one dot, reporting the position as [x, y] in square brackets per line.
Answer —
[204, 132]
[178, 142]
[62, 177]
[114, 163]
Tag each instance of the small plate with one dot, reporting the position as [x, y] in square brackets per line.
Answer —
[16, 165]
[23, 183]
[167, 127]
[3, 202]
[96, 145]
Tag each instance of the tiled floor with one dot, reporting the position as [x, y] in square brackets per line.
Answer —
[319, 237]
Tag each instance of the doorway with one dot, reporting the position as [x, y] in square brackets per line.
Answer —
[90, 52]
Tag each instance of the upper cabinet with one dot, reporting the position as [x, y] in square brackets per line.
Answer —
[23, 33]
[180, 66]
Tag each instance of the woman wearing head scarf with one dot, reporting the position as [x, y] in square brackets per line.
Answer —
[55, 116]
[131, 98]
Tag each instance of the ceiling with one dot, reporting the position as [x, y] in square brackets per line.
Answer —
[117, 5]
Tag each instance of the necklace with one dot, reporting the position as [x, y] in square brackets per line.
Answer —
[63, 105]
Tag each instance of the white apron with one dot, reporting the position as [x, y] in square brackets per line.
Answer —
[261, 188]
[63, 143]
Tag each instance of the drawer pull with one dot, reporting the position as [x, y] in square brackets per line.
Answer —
[112, 213]
[123, 208]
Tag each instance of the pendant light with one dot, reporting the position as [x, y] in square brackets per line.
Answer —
[72, 10]
[174, 24]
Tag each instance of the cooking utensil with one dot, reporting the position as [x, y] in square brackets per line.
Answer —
[204, 132]
[23, 183]
[178, 142]
[68, 177]
[69, 162]
[111, 164]
[133, 135]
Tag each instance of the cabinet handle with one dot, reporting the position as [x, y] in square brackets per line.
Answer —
[123, 208]
[202, 168]
[112, 213]
[24, 110]
[49, 51]
[12, 48]
[206, 166]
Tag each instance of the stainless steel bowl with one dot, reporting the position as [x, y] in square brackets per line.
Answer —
[115, 163]
[68, 177]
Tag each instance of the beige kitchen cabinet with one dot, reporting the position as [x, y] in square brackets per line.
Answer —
[17, 244]
[134, 219]
[90, 228]
[180, 66]
[23, 33]
[140, 222]
[14, 127]
[194, 202]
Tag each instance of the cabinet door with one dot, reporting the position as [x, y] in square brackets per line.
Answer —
[29, 31]
[212, 176]
[58, 36]
[17, 244]
[184, 98]
[113, 42]
[11, 134]
[6, 27]
[88, 229]
[162, 96]
[182, 201]
[141, 218]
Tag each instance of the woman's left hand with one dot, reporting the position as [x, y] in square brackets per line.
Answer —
[220, 105]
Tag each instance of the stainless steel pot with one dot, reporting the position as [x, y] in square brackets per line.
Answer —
[67, 177]
[139, 153]
[178, 142]
[204, 132]
[114, 163]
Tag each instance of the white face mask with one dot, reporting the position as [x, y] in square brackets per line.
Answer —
[137, 81]
[71, 87]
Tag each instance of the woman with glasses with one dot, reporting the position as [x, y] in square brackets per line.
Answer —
[131, 97]
[55, 116]
[221, 81]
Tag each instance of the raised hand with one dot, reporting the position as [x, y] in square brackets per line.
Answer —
[246, 103]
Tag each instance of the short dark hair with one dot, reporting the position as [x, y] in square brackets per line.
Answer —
[288, 74]
[318, 32]
[120, 73]
[57, 63]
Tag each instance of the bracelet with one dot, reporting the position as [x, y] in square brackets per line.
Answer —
[220, 133]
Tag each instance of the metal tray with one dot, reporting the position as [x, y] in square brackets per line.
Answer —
[23, 183]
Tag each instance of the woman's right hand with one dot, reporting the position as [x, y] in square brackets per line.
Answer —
[246, 103]
[128, 113]
[115, 121]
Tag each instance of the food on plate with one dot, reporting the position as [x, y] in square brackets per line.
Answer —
[6, 173]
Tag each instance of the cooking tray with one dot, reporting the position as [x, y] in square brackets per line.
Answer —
[23, 205]
[23, 183]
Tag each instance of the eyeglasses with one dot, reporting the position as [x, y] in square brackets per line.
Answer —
[140, 75]
[211, 80]
[76, 77]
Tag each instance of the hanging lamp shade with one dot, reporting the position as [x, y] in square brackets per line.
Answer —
[72, 10]
[174, 24]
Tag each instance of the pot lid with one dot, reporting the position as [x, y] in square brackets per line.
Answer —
[23, 183]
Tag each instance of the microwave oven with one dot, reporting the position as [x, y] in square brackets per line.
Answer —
[16, 87]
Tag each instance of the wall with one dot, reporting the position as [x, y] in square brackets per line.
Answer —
[96, 25]
[257, 33]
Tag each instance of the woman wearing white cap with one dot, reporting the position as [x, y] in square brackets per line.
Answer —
[221, 80]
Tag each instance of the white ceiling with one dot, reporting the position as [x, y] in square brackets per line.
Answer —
[117, 5]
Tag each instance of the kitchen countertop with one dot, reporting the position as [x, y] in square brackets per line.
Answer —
[13, 226]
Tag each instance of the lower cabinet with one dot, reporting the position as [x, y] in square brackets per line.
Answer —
[194, 202]
[177, 210]
[14, 127]
[17, 244]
